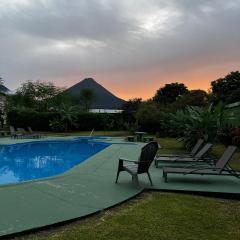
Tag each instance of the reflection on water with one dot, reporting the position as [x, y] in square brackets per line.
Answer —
[22, 162]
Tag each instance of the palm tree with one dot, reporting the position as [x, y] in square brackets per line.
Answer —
[87, 98]
[68, 115]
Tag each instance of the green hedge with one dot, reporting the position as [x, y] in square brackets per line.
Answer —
[88, 121]
[85, 121]
[38, 121]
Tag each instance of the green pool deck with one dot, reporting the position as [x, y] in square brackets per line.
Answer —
[89, 188]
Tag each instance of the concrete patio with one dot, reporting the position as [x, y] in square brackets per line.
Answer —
[88, 188]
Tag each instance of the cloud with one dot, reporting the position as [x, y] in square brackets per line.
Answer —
[64, 40]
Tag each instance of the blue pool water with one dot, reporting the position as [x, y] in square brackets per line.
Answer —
[27, 161]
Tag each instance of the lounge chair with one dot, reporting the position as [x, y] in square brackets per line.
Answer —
[25, 134]
[15, 134]
[142, 165]
[199, 157]
[220, 168]
[32, 133]
[194, 150]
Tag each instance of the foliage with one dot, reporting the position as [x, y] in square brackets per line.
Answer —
[233, 96]
[149, 116]
[228, 134]
[131, 127]
[66, 120]
[112, 122]
[172, 123]
[27, 117]
[198, 122]
[170, 93]
[192, 98]
[130, 109]
[62, 98]
[236, 141]
[226, 89]
[57, 125]
[69, 118]
[37, 95]
[87, 98]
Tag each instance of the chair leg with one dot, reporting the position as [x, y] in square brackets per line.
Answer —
[135, 179]
[117, 176]
[150, 178]
[156, 163]
[165, 177]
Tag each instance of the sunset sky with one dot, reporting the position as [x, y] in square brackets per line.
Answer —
[131, 47]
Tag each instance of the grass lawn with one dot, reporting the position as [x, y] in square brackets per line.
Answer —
[157, 215]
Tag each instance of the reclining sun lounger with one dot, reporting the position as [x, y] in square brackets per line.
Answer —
[139, 166]
[15, 134]
[220, 168]
[30, 131]
[25, 134]
[199, 157]
[193, 152]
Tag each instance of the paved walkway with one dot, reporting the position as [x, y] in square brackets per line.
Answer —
[88, 188]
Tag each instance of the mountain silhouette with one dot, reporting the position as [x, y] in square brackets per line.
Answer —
[104, 99]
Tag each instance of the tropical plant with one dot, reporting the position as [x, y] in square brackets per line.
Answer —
[228, 134]
[87, 98]
[172, 123]
[57, 125]
[67, 118]
[198, 122]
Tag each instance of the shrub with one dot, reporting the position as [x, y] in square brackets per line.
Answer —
[57, 125]
[195, 122]
[99, 121]
[149, 117]
[37, 120]
[45, 121]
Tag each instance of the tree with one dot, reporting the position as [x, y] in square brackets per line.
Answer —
[192, 98]
[197, 122]
[170, 93]
[130, 109]
[149, 116]
[67, 118]
[87, 98]
[233, 96]
[68, 115]
[37, 95]
[226, 89]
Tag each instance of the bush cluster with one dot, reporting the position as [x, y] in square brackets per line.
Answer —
[39, 121]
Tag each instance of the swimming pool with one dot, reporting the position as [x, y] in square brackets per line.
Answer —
[35, 160]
